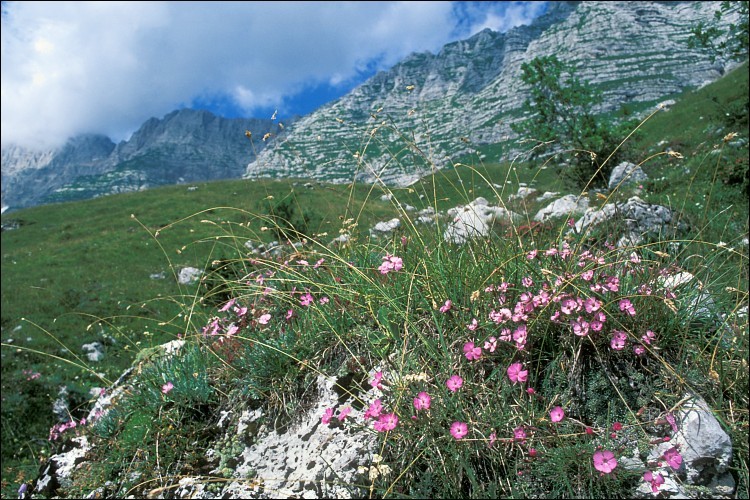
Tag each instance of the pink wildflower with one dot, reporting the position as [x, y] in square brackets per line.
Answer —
[446, 306]
[587, 275]
[618, 340]
[306, 300]
[376, 381]
[167, 387]
[228, 305]
[454, 383]
[557, 414]
[656, 480]
[386, 422]
[605, 461]
[673, 458]
[648, 337]
[324, 300]
[519, 434]
[289, 314]
[639, 350]
[580, 327]
[519, 336]
[422, 401]
[327, 415]
[459, 430]
[264, 319]
[374, 410]
[390, 263]
[493, 438]
[531, 255]
[516, 373]
[491, 344]
[472, 352]
[344, 413]
[627, 307]
[527, 282]
[473, 325]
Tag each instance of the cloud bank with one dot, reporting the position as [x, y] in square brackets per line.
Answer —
[106, 67]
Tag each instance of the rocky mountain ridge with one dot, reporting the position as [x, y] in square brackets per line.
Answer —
[185, 146]
[431, 109]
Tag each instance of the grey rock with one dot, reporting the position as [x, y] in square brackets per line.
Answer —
[474, 220]
[188, 275]
[385, 228]
[626, 173]
[636, 218]
[566, 206]
[94, 351]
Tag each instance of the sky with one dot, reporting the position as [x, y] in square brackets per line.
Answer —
[106, 67]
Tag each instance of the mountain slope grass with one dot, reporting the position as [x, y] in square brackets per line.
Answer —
[411, 307]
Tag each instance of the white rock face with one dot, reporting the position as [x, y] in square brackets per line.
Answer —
[309, 460]
[472, 89]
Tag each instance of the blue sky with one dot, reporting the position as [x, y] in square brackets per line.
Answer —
[106, 67]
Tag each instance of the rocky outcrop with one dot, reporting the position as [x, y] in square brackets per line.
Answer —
[625, 173]
[475, 220]
[633, 220]
[429, 108]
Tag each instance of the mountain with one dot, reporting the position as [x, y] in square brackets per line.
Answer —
[425, 110]
[184, 146]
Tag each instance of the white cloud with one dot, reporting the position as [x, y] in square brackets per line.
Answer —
[105, 67]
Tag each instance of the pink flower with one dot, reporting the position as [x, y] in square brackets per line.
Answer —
[473, 325]
[627, 307]
[516, 373]
[306, 300]
[232, 330]
[228, 305]
[557, 414]
[519, 335]
[501, 316]
[617, 426]
[638, 350]
[656, 480]
[289, 314]
[264, 319]
[527, 282]
[459, 430]
[454, 383]
[648, 337]
[472, 352]
[519, 434]
[327, 415]
[491, 344]
[531, 255]
[391, 263]
[386, 422]
[587, 275]
[374, 410]
[446, 307]
[673, 458]
[605, 461]
[618, 340]
[422, 401]
[591, 305]
[376, 381]
[580, 327]
[167, 387]
[344, 413]
[324, 300]
[493, 438]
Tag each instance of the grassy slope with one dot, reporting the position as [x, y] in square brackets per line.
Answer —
[71, 265]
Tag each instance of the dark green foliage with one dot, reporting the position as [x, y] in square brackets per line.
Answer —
[731, 43]
[561, 112]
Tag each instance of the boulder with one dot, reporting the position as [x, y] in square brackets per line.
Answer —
[626, 173]
[188, 275]
[474, 220]
[563, 207]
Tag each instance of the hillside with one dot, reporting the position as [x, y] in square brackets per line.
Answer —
[87, 272]
[471, 92]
